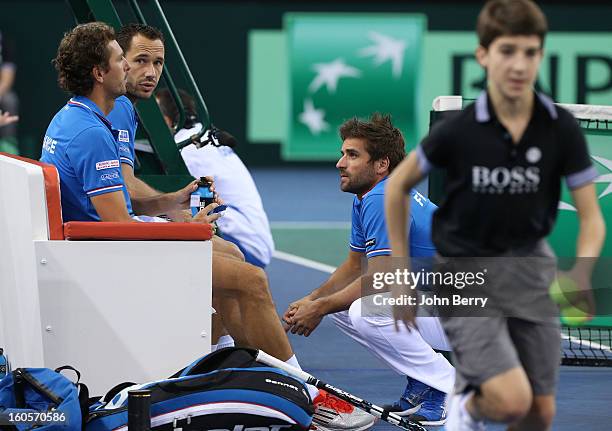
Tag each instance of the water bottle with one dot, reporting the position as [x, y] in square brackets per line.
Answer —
[4, 368]
[202, 197]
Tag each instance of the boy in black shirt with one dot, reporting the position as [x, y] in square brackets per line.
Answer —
[504, 157]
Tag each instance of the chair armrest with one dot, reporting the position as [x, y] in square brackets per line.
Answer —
[77, 230]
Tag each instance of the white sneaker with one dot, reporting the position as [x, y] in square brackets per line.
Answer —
[333, 414]
[458, 417]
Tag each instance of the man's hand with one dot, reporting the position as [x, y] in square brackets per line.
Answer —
[182, 197]
[291, 309]
[183, 216]
[304, 317]
[203, 217]
[211, 186]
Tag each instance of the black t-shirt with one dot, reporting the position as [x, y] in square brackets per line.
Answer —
[500, 195]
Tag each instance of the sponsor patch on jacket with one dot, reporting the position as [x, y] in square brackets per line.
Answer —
[124, 136]
[110, 176]
[107, 164]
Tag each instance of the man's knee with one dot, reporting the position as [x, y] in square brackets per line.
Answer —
[227, 248]
[233, 250]
[341, 319]
[251, 283]
[258, 284]
[362, 321]
[354, 314]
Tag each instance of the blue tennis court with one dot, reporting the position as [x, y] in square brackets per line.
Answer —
[310, 222]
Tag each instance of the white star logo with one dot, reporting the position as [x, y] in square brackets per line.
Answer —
[386, 48]
[565, 206]
[313, 118]
[330, 73]
[605, 178]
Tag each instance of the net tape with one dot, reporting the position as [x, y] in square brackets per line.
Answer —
[597, 116]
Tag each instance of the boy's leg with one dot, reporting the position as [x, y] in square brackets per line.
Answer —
[540, 416]
[505, 397]
[538, 346]
[486, 360]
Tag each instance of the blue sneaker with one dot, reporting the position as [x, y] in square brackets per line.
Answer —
[433, 408]
[410, 401]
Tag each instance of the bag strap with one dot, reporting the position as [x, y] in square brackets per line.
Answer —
[68, 367]
[83, 392]
[83, 403]
[19, 389]
[229, 357]
[114, 391]
[22, 376]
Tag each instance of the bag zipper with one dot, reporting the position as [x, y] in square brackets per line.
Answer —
[100, 414]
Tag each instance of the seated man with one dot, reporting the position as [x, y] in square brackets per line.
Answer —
[81, 143]
[245, 222]
[370, 151]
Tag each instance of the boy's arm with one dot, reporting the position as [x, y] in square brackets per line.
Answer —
[397, 208]
[592, 230]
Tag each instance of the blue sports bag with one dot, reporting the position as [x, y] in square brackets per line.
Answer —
[43, 399]
[226, 390]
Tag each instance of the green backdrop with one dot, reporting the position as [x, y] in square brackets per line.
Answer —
[345, 65]
[216, 39]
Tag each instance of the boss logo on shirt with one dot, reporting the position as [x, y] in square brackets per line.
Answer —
[370, 242]
[123, 136]
[517, 180]
[106, 164]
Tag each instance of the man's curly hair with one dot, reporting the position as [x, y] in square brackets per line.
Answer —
[382, 138]
[80, 50]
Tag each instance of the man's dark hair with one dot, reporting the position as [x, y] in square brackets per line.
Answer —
[80, 50]
[383, 140]
[170, 110]
[510, 18]
[128, 31]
